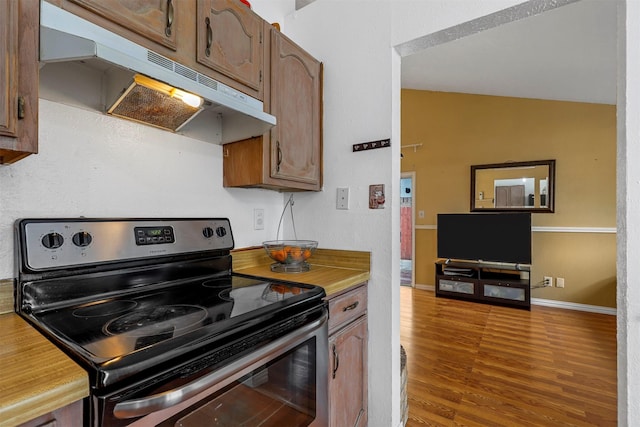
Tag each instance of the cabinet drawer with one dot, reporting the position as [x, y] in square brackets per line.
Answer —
[496, 291]
[456, 286]
[347, 307]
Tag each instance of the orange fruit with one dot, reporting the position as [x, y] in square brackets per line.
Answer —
[295, 253]
[278, 255]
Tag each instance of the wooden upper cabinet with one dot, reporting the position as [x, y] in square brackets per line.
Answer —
[296, 101]
[153, 20]
[229, 41]
[19, 32]
[289, 157]
[9, 70]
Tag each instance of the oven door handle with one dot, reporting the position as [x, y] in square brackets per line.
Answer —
[221, 377]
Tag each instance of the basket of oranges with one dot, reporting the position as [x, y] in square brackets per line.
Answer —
[290, 255]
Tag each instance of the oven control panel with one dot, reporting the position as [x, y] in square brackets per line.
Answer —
[154, 235]
[51, 244]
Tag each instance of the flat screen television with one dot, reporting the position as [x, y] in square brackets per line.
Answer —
[494, 237]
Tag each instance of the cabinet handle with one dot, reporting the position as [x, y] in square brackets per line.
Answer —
[336, 361]
[167, 30]
[279, 154]
[207, 50]
[20, 107]
[351, 306]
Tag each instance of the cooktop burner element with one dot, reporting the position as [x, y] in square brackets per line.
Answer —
[216, 283]
[105, 309]
[156, 320]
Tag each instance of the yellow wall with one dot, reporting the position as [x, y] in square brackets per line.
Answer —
[460, 130]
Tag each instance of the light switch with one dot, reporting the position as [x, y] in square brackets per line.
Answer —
[258, 219]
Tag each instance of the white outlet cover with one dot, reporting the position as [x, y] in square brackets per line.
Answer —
[342, 198]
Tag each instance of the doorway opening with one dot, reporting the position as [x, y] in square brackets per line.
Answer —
[407, 229]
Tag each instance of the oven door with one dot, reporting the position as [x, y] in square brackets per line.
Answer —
[281, 383]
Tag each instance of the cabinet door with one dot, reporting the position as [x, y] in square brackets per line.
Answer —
[229, 40]
[153, 20]
[289, 157]
[296, 100]
[9, 68]
[348, 375]
[68, 416]
[19, 43]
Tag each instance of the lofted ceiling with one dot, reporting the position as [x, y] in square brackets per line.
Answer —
[568, 54]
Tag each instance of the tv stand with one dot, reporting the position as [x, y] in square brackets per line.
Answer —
[507, 285]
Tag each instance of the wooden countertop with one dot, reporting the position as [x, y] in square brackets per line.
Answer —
[35, 376]
[335, 270]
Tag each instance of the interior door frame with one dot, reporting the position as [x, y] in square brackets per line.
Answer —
[412, 176]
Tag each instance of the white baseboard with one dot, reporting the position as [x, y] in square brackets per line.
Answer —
[550, 303]
[574, 306]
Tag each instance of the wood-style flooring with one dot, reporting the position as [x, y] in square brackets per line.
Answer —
[473, 364]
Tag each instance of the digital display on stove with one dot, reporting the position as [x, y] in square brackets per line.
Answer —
[154, 235]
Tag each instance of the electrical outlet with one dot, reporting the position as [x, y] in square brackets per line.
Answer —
[258, 219]
[342, 198]
[560, 282]
[548, 281]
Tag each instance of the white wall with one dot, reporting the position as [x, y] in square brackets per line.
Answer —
[273, 10]
[95, 165]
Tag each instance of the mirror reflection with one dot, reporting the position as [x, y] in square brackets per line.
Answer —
[522, 186]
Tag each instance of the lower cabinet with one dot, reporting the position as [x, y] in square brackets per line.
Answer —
[67, 416]
[348, 339]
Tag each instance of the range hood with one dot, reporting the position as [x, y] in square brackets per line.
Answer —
[87, 66]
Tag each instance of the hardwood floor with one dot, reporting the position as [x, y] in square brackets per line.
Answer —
[472, 364]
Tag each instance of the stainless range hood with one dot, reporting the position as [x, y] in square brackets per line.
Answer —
[87, 66]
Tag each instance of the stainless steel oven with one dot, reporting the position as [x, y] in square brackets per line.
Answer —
[281, 384]
[168, 334]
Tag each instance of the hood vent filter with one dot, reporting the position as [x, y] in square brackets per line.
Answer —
[155, 103]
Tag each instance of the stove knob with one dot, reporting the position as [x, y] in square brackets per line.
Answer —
[221, 231]
[82, 239]
[207, 232]
[52, 241]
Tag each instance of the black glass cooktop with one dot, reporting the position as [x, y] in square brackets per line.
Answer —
[109, 328]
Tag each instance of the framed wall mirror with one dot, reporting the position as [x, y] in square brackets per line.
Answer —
[516, 186]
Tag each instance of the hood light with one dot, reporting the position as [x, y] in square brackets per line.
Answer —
[188, 98]
[155, 103]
